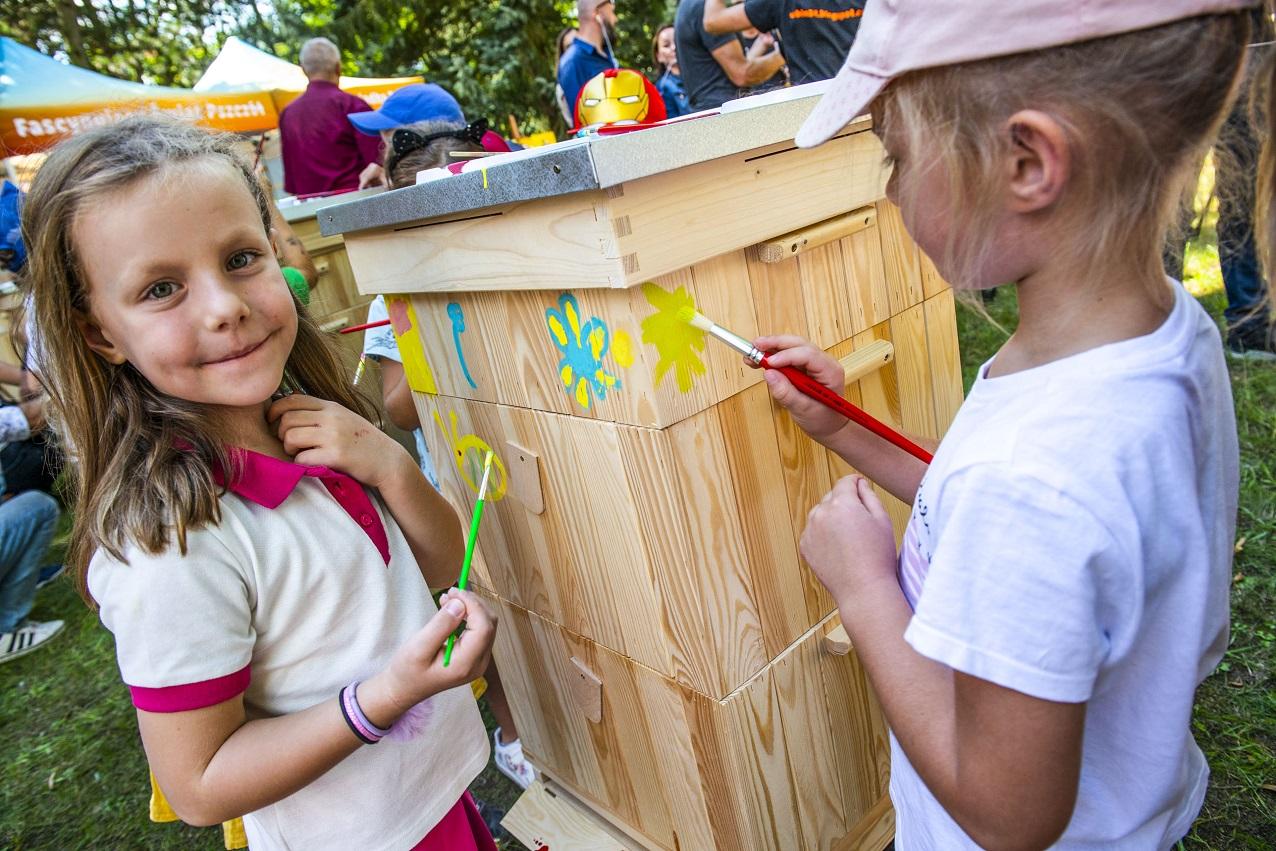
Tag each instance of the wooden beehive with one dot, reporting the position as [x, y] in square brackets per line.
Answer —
[663, 647]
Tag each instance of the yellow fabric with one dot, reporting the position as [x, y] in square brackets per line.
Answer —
[479, 687]
[233, 836]
[160, 810]
[535, 140]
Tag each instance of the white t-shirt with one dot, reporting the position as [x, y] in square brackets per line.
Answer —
[1073, 541]
[380, 343]
[306, 585]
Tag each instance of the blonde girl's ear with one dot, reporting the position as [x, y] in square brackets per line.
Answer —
[1039, 161]
[98, 341]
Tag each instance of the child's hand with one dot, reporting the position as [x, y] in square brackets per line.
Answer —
[321, 433]
[416, 671]
[813, 417]
[848, 539]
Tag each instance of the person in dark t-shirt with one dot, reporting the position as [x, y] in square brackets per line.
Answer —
[815, 35]
[716, 68]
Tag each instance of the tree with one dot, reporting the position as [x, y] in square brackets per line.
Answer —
[160, 43]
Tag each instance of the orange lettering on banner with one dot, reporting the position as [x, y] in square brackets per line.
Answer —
[825, 14]
[26, 130]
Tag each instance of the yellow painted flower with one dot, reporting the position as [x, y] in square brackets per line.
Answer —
[675, 339]
[468, 449]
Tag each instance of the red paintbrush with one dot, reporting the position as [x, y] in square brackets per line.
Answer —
[806, 384]
[364, 327]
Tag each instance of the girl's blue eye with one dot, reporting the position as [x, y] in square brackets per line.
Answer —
[161, 290]
[241, 260]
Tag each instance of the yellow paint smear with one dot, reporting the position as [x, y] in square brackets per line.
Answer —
[622, 349]
[407, 333]
[468, 452]
[677, 341]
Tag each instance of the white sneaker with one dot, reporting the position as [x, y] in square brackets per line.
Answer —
[27, 637]
[511, 762]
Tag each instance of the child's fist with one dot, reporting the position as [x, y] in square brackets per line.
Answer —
[416, 671]
[848, 540]
[813, 417]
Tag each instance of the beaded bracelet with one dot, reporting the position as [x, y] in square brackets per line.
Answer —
[365, 730]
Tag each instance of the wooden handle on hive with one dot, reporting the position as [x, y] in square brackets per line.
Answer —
[587, 689]
[795, 242]
[866, 359]
[837, 642]
[525, 476]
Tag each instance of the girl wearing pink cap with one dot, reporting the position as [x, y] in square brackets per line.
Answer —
[1062, 586]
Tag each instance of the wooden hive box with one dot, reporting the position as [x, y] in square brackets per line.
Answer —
[663, 647]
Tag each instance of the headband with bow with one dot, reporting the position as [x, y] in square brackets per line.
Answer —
[405, 141]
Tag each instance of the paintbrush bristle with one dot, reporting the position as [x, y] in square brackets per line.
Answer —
[695, 318]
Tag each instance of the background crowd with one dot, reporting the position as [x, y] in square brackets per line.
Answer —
[709, 54]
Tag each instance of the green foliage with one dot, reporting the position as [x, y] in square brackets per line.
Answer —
[160, 43]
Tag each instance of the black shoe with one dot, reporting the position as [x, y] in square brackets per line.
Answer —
[492, 816]
[1251, 341]
[48, 573]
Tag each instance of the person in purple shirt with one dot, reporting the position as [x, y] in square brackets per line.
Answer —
[322, 152]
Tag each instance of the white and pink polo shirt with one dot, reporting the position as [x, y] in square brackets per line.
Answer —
[306, 584]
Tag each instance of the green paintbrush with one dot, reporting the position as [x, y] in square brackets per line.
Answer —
[469, 548]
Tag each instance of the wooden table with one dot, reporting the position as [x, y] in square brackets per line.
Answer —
[663, 647]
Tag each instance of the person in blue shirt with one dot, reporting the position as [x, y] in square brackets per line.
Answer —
[590, 52]
[565, 37]
[664, 56]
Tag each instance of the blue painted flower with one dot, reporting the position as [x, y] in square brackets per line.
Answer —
[583, 347]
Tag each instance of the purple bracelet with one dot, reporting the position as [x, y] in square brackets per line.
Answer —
[365, 730]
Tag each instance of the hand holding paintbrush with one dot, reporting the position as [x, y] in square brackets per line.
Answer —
[808, 385]
[470, 542]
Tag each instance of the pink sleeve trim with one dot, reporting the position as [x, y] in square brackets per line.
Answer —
[190, 696]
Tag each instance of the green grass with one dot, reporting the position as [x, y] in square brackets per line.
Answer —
[74, 776]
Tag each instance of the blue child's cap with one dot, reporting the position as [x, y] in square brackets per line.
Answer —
[11, 247]
[408, 105]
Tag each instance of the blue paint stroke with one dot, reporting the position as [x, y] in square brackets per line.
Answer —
[583, 346]
[458, 327]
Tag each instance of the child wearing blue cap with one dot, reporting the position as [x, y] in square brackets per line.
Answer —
[421, 117]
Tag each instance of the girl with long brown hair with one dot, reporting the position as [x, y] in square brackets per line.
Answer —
[260, 550]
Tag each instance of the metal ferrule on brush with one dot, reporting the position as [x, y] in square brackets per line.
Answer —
[737, 342]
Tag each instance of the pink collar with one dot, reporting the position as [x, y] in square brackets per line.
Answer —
[268, 482]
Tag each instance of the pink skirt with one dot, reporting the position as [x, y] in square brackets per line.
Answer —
[462, 829]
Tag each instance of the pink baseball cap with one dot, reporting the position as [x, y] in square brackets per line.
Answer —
[898, 36]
